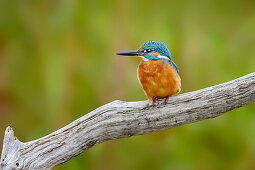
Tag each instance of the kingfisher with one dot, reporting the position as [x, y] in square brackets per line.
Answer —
[157, 73]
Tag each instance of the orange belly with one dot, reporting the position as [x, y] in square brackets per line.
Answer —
[158, 80]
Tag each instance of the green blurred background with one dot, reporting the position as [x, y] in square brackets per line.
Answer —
[58, 62]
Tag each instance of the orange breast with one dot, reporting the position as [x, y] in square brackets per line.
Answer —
[158, 80]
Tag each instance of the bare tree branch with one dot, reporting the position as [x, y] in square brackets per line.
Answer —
[120, 119]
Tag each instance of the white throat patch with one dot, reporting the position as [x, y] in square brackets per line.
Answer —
[163, 57]
[144, 59]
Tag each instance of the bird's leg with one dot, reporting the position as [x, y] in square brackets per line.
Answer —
[153, 101]
[166, 100]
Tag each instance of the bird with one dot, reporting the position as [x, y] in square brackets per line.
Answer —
[157, 73]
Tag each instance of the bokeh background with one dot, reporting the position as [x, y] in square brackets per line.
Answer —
[58, 62]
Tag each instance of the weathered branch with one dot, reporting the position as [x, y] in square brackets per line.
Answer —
[120, 119]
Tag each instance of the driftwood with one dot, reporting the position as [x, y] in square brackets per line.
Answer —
[120, 119]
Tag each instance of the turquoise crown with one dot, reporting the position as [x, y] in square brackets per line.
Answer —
[156, 46]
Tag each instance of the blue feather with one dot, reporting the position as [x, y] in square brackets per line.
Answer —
[174, 66]
[152, 57]
[161, 48]
[156, 46]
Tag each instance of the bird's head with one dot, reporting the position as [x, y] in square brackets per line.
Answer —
[151, 50]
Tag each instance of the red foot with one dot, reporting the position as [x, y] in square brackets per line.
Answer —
[153, 101]
[166, 100]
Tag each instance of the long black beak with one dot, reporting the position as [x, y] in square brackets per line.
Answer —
[130, 53]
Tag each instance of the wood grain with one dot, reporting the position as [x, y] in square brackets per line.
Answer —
[120, 119]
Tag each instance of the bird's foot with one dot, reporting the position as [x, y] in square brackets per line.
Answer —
[166, 99]
[153, 102]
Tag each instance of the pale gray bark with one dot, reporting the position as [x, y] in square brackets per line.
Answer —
[120, 119]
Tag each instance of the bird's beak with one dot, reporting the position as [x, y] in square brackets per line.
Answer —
[131, 53]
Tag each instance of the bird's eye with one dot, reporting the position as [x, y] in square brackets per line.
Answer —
[147, 51]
